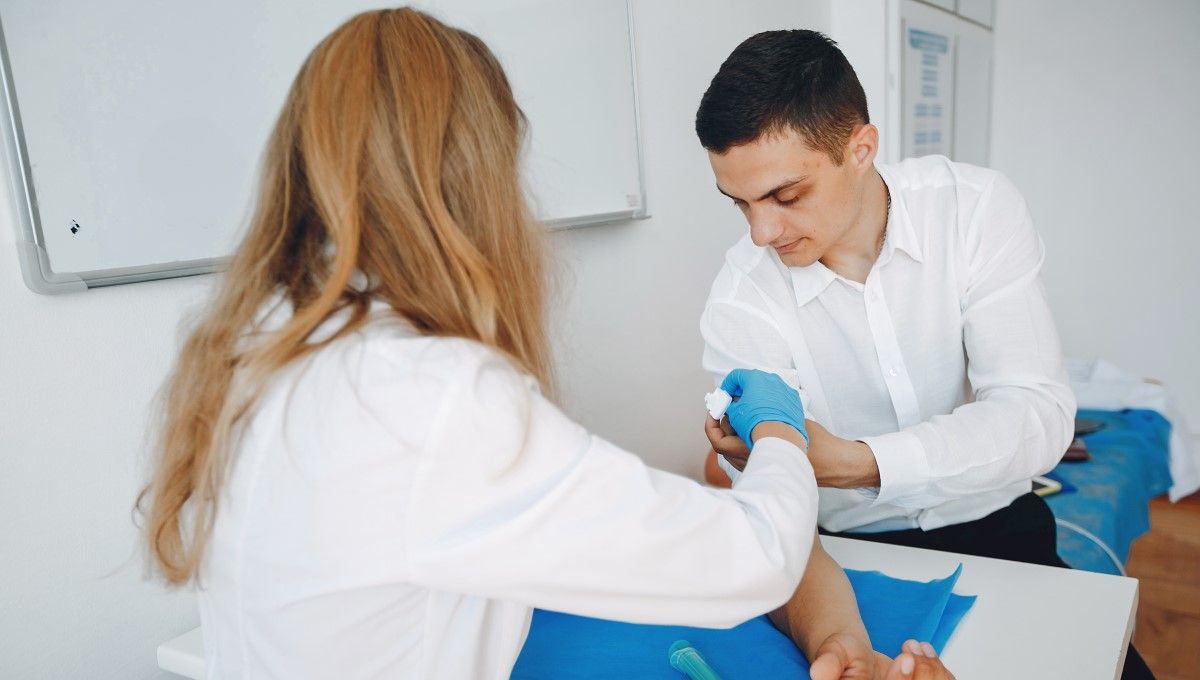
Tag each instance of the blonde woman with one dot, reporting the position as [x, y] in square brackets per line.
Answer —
[358, 469]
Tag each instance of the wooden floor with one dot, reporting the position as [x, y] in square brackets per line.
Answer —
[1167, 563]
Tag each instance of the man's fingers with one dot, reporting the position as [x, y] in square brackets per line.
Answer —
[727, 428]
[902, 667]
[929, 666]
[712, 430]
[725, 441]
[827, 666]
[731, 445]
[931, 669]
[918, 661]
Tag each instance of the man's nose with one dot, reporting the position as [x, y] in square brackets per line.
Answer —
[764, 229]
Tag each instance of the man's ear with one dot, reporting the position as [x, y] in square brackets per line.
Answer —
[863, 146]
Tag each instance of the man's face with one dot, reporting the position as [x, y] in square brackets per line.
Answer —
[794, 197]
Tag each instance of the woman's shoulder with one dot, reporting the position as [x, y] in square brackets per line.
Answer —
[389, 339]
[384, 382]
[390, 354]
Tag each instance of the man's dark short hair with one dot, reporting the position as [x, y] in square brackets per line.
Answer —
[780, 80]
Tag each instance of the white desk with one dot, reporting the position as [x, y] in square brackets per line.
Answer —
[1029, 621]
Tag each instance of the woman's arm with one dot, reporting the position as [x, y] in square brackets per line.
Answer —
[513, 500]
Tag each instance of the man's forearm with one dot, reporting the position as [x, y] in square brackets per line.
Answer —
[822, 606]
[841, 463]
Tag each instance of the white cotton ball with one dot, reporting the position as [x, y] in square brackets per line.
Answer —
[716, 402]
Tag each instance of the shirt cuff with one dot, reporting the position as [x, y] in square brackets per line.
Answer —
[903, 467]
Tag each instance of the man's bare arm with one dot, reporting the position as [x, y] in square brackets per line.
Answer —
[837, 462]
[822, 619]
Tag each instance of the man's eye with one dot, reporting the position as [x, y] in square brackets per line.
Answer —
[789, 201]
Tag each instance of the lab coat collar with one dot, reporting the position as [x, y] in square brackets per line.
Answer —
[278, 310]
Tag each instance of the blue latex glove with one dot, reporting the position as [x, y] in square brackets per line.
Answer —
[759, 397]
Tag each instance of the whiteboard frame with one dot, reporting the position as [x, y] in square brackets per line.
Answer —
[40, 277]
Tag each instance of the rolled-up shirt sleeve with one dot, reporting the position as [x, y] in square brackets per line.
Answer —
[513, 500]
[739, 334]
[1021, 419]
[757, 342]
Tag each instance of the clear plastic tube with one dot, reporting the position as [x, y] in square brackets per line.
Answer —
[687, 660]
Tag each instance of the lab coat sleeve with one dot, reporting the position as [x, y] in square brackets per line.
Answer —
[512, 500]
[1021, 420]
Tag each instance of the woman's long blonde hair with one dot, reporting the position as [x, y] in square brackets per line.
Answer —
[397, 155]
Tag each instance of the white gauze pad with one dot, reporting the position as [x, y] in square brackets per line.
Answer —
[716, 402]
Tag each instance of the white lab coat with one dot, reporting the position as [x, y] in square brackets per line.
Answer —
[398, 505]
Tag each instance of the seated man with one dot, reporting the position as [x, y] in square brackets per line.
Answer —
[904, 301]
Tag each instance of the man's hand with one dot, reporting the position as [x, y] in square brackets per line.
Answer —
[848, 657]
[735, 450]
[837, 462]
[726, 442]
[917, 661]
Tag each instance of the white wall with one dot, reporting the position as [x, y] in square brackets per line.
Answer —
[868, 33]
[1095, 116]
[630, 341]
[78, 372]
[76, 377]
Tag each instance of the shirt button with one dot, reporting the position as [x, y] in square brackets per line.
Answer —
[893, 372]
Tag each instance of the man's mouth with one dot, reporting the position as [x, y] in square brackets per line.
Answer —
[788, 247]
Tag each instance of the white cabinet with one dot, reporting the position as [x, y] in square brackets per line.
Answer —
[946, 77]
[947, 5]
[979, 11]
[945, 82]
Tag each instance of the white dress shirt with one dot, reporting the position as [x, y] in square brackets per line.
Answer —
[398, 504]
[946, 362]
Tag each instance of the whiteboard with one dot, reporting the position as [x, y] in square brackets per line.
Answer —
[134, 129]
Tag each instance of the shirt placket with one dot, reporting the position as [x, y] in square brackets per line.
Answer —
[887, 349]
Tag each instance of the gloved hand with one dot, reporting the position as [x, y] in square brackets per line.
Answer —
[758, 397]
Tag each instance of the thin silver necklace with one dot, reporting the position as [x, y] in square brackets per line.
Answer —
[886, 217]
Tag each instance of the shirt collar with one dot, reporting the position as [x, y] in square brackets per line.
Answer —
[809, 282]
[900, 232]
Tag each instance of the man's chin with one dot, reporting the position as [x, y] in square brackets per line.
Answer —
[800, 259]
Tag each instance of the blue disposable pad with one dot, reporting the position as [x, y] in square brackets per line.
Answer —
[1129, 466]
[894, 610]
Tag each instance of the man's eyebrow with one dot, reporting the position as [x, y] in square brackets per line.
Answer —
[780, 187]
